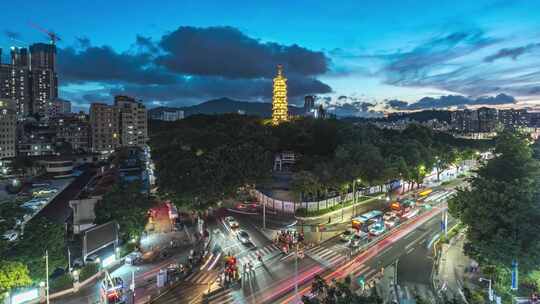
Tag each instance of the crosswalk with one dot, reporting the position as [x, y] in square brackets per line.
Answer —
[265, 251]
[201, 277]
[222, 297]
[325, 256]
[367, 273]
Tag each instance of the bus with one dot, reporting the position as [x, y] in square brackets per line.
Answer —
[364, 218]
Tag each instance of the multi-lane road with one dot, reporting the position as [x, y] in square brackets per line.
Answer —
[408, 246]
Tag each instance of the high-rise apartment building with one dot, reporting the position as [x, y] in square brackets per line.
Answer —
[104, 128]
[43, 78]
[132, 120]
[8, 128]
[43, 56]
[15, 81]
[30, 79]
[487, 119]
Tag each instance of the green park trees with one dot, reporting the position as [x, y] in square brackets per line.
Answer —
[204, 159]
[501, 208]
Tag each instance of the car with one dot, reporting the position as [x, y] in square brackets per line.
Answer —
[377, 229]
[411, 213]
[347, 234]
[243, 237]
[11, 235]
[94, 258]
[38, 185]
[232, 222]
[391, 222]
[133, 258]
[44, 191]
[358, 238]
[388, 215]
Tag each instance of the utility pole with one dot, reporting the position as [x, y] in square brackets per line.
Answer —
[47, 274]
[264, 215]
[69, 260]
[354, 197]
[296, 272]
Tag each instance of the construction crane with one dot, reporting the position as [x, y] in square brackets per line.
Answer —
[52, 35]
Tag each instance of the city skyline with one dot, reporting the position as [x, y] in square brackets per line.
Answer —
[366, 54]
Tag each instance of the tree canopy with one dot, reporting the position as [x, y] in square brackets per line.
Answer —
[127, 206]
[40, 235]
[13, 275]
[501, 207]
[204, 159]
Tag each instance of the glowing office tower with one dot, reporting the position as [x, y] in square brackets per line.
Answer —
[280, 107]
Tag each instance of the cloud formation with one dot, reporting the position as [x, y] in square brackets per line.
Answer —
[12, 34]
[451, 101]
[191, 63]
[412, 67]
[513, 53]
[104, 64]
[227, 52]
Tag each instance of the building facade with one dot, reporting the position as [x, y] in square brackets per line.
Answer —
[8, 128]
[30, 79]
[133, 121]
[73, 130]
[104, 128]
[166, 114]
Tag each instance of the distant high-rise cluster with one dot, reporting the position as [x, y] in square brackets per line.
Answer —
[280, 107]
[30, 80]
[486, 120]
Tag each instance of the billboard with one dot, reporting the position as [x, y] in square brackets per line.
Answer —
[99, 237]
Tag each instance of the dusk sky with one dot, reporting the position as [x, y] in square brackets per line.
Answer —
[391, 53]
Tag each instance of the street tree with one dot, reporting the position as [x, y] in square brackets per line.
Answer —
[126, 205]
[40, 235]
[13, 275]
[501, 207]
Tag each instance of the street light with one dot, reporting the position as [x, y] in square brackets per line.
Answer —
[490, 291]
[354, 195]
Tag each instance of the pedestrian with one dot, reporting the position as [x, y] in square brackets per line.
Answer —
[329, 219]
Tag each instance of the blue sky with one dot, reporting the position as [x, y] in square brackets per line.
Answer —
[365, 51]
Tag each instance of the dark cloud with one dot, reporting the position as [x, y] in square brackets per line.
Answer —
[397, 104]
[451, 101]
[227, 52]
[103, 64]
[513, 53]
[12, 34]
[193, 63]
[83, 42]
[146, 44]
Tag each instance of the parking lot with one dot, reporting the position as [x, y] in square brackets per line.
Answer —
[17, 209]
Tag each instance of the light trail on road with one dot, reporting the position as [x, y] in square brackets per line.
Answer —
[358, 261]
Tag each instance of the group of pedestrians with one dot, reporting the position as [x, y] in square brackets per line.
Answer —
[286, 238]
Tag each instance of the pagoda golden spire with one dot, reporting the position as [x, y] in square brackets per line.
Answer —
[280, 108]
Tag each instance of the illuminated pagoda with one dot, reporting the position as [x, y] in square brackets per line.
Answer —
[280, 107]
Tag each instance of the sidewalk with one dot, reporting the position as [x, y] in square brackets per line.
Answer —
[451, 274]
[386, 287]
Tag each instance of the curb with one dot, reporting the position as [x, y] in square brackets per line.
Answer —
[308, 218]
